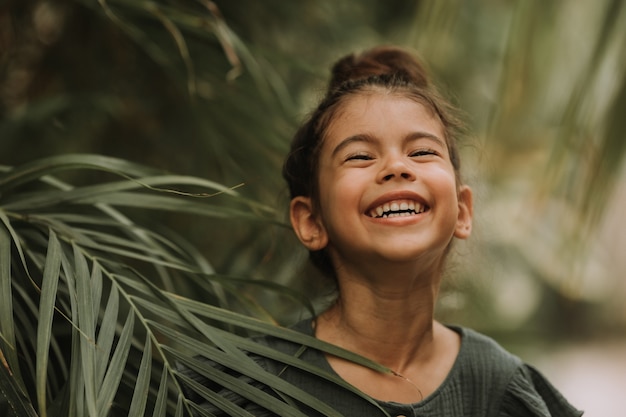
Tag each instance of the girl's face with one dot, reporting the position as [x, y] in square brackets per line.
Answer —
[387, 187]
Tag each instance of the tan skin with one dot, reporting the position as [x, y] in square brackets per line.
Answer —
[383, 148]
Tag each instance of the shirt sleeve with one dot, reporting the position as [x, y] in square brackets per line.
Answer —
[530, 394]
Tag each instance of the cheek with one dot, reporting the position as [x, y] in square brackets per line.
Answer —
[446, 179]
[339, 196]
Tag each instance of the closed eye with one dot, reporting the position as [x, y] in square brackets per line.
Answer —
[359, 157]
[424, 152]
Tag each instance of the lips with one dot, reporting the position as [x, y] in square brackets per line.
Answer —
[397, 208]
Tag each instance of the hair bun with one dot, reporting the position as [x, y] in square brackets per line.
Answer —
[381, 60]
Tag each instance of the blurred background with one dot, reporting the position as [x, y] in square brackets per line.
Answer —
[216, 89]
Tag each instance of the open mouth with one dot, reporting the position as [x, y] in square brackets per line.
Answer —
[397, 208]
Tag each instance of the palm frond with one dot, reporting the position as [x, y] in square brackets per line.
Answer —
[88, 271]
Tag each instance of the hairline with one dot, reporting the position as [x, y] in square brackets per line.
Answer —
[410, 92]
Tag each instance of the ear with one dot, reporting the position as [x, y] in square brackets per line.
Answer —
[306, 224]
[466, 213]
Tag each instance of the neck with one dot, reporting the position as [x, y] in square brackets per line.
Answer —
[389, 321]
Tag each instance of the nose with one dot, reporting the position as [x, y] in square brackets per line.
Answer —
[396, 167]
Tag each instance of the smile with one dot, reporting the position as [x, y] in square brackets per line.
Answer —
[397, 208]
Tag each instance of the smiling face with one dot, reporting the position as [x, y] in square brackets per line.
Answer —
[387, 188]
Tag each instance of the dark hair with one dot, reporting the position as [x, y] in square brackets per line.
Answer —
[385, 67]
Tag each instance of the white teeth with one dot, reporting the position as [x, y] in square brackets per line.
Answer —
[397, 208]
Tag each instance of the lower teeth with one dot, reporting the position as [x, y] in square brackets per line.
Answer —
[401, 214]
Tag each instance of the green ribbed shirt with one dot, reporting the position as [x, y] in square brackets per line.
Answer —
[485, 381]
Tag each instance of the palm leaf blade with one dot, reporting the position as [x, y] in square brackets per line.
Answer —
[48, 166]
[106, 335]
[18, 404]
[160, 406]
[7, 326]
[115, 368]
[142, 384]
[86, 323]
[237, 385]
[8, 339]
[49, 286]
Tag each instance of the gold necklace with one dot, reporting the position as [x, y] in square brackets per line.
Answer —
[399, 375]
[394, 373]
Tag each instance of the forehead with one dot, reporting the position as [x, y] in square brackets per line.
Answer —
[382, 112]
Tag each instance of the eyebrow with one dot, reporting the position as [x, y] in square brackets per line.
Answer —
[370, 139]
[347, 141]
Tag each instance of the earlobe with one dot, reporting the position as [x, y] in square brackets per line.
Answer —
[306, 224]
[466, 213]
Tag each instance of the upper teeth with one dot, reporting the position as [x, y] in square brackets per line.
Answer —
[397, 208]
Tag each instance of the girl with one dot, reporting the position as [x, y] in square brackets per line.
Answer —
[377, 199]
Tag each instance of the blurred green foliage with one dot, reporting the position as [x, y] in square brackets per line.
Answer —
[215, 89]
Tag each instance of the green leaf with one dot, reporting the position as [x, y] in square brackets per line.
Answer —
[226, 406]
[76, 382]
[198, 347]
[47, 299]
[116, 366]
[7, 323]
[256, 326]
[142, 384]
[197, 324]
[107, 332]
[16, 240]
[179, 205]
[46, 166]
[96, 291]
[160, 406]
[86, 321]
[179, 406]
[12, 398]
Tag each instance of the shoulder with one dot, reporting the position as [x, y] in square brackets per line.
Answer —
[530, 393]
[483, 357]
[513, 388]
